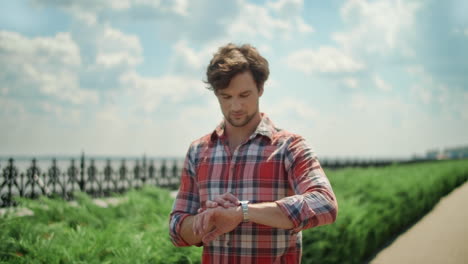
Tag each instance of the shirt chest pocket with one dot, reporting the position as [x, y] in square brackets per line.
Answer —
[271, 167]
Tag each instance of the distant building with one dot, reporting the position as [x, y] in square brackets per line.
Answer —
[457, 153]
[433, 154]
[448, 153]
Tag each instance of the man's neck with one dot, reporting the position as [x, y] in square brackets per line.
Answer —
[237, 135]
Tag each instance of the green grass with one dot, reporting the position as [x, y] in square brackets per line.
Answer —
[375, 205]
[135, 231]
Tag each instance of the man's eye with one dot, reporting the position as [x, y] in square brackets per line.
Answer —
[244, 95]
[226, 97]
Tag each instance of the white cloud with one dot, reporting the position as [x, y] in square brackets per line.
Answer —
[351, 82]
[66, 114]
[62, 84]
[181, 7]
[423, 87]
[62, 48]
[381, 84]
[302, 27]
[96, 7]
[86, 17]
[256, 21]
[4, 90]
[109, 113]
[291, 108]
[149, 92]
[356, 129]
[450, 101]
[115, 48]
[286, 8]
[415, 70]
[11, 107]
[460, 31]
[377, 26]
[187, 56]
[48, 65]
[423, 93]
[169, 20]
[325, 60]
[265, 49]
[259, 21]
[393, 118]
[359, 101]
[463, 107]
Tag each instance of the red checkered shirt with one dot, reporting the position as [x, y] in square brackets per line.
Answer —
[272, 165]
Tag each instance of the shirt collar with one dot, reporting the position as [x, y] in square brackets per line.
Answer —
[265, 128]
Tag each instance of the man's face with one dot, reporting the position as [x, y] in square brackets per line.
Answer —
[239, 101]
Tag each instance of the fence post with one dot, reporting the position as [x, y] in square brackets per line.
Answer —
[123, 177]
[72, 174]
[82, 173]
[175, 174]
[144, 175]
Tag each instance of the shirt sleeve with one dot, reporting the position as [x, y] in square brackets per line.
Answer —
[186, 203]
[314, 203]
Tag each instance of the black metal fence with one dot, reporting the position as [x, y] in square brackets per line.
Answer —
[84, 176]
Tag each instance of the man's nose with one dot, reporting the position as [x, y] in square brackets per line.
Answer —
[236, 105]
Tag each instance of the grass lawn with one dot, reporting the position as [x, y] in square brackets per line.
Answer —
[375, 205]
[135, 231]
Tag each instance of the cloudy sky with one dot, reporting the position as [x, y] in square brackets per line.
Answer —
[356, 78]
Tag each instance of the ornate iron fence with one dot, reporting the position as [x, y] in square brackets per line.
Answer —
[84, 177]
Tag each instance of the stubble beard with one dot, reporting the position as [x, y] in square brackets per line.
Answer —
[243, 122]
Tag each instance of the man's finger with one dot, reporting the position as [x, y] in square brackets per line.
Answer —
[224, 203]
[211, 204]
[219, 200]
[231, 198]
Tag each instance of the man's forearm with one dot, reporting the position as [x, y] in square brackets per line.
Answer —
[216, 221]
[186, 231]
[269, 214]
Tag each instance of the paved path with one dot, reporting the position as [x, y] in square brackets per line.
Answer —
[439, 237]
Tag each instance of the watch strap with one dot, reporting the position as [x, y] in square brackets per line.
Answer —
[245, 210]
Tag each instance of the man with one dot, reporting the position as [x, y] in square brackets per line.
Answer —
[248, 188]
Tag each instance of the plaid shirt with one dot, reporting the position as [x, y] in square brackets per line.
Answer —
[272, 165]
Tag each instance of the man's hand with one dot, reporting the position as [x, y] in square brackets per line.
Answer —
[213, 222]
[225, 200]
[203, 223]
[223, 214]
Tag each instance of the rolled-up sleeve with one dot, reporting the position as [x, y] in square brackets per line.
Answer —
[314, 203]
[186, 203]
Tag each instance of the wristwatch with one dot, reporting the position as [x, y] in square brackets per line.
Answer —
[245, 210]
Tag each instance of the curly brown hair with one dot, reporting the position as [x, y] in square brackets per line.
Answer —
[231, 60]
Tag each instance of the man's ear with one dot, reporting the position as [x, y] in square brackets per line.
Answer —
[260, 91]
